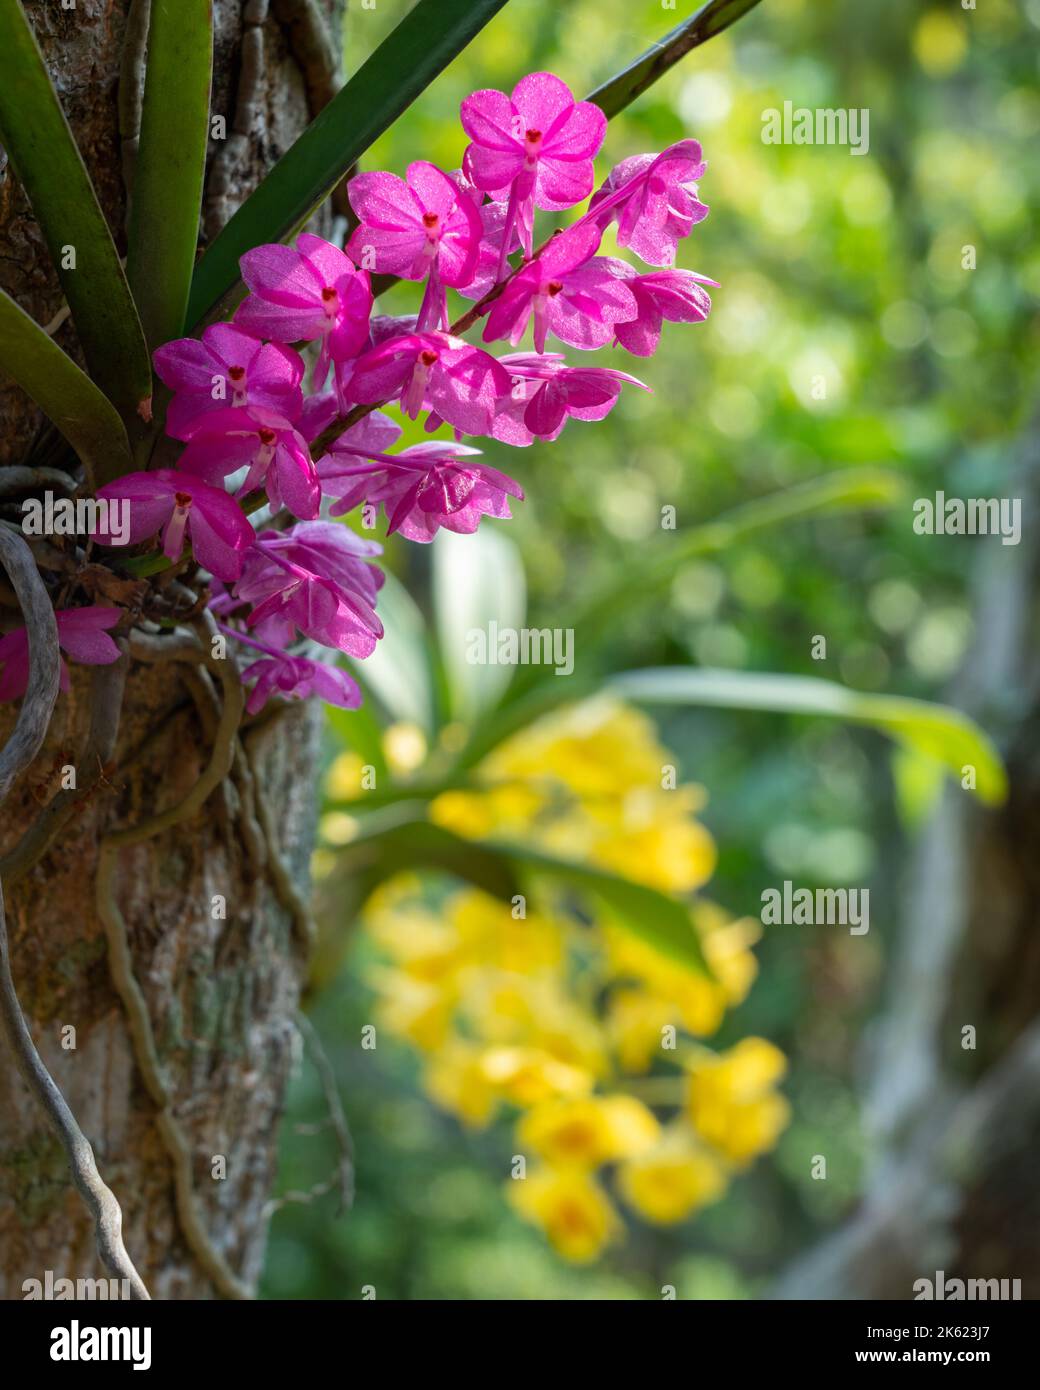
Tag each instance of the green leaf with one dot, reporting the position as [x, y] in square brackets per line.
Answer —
[36, 135]
[661, 921]
[171, 160]
[477, 580]
[398, 839]
[936, 731]
[650, 570]
[391, 842]
[709, 20]
[86, 418]
[400, 69]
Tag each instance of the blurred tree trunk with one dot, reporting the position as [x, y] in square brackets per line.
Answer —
[953, 1185]
[221, 994]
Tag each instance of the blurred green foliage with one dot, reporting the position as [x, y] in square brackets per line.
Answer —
[835, 267]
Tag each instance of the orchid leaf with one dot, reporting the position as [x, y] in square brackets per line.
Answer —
[36, 135]
[171, 160]
[945, 735]
[86, 417]
[401, 68]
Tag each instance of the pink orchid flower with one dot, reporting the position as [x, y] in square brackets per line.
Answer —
[81, 635]
[676, 295]
[295, 677]
[314, 291]
[277, 458]
[424, 228]
[535, 148]
[426, 487]
[490, 256]
[382, 327]
[371, 436]
[654, 198]
[570, 292]
[292, 677]
[313, 577]
[433, 371]
[178, 503]
[546, 393]
[228, 368]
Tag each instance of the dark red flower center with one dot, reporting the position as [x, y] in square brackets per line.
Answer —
[554, 287]
[328, 294]
[236, 373]
[427, 358]
[266, 436]
[532, 136]
[430, 219]
[183, 499]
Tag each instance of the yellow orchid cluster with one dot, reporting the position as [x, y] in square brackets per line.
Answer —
[586, 1030]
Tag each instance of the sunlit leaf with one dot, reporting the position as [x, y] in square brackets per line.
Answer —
[478, 581]
[171, 160]
[936, 731]
[400, 70]
[398, 671]
[648, 571]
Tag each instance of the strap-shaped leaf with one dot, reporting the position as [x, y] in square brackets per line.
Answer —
[171, 161]
[709, 20]
[402, 838]
[656, 918]
[36, 135]
[535, 691]
[86, 417]
[386, 84]
[944, 734]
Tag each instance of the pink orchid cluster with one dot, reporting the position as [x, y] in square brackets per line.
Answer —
[239, 405]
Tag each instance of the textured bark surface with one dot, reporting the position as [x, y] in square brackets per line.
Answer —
[221, 993]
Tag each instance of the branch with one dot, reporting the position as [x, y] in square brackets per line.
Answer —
[15, 757]
[709, 20]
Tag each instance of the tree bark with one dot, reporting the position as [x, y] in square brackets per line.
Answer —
[221, 991]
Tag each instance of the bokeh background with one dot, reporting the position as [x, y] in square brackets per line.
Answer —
[834, 267]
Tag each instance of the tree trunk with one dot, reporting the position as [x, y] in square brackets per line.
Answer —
[220, 990]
